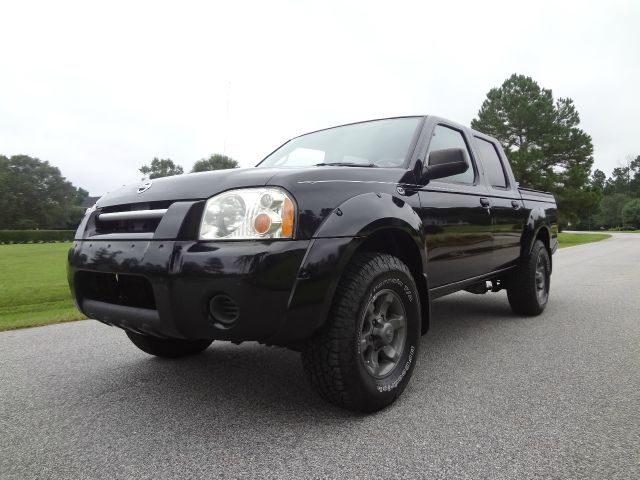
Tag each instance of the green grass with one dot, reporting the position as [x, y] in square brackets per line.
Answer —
[571, 239]
[33, 286]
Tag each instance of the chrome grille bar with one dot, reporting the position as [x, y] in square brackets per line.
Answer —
[132, 215]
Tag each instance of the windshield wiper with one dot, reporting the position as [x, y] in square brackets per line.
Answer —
[346, 164]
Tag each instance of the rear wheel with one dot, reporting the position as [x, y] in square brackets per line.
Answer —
[528, 286]
[168, 347]
[363, 357]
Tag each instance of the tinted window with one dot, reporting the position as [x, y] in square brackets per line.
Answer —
[492, 164]
[445, 137]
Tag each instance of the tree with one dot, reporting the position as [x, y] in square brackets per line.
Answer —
[634, 165]
[214, 162]
[541, 137]
[161, 167]
[611, 206]
[625, 178]
[598, 179]
[631, 213]
[34, 194]
[619, 182]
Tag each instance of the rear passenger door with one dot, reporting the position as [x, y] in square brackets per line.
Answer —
[455, 216]
[507, 209]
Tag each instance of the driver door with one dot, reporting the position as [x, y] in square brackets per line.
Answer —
[456, 217]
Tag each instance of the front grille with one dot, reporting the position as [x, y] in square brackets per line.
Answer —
[120, 289]
[131, 218]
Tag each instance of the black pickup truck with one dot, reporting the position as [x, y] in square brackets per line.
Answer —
[334, 245]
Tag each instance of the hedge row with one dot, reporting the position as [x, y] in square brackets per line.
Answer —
[35, 236]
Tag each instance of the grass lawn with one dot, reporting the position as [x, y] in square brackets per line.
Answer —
[571, 239]
[33, 286]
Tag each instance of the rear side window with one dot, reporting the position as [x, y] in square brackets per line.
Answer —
[445, 137]
[493, 167]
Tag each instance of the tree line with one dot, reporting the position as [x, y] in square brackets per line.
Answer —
[165, 167]
[35, 195]
[619, 205]
[540, 134]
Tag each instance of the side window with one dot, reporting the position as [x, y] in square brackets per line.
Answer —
[445, 137]
[492, 163]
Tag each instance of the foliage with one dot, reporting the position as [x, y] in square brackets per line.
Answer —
[161, 167]
[610, 214]
[546, 148]
[631, 213]
[598, 179]
[625, 179]
[34, 286]
[214, 162]
[36, 236]
[34, 194]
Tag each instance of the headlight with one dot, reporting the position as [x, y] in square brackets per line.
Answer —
[266, 212]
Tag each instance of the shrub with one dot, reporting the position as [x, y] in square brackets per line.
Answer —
[35, 236]
[631, 213]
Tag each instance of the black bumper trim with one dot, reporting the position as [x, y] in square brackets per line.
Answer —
[141, 320]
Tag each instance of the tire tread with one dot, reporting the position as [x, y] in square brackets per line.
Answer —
[521, 290]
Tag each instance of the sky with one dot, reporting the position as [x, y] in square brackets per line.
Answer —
[100, 88]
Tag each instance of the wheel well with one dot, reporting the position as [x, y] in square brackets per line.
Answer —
[400, 244]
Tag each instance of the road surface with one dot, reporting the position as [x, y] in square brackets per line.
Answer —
[494, 396]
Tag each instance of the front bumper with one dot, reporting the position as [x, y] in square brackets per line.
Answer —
[259, 276]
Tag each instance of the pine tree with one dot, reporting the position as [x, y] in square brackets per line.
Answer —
[546, 148]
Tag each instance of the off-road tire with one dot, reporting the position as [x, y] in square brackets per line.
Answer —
[333, 359]
[168, 347]
[523, 286]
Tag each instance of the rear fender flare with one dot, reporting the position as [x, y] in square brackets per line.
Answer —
[538, 220]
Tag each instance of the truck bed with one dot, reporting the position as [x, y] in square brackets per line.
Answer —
[536, 195]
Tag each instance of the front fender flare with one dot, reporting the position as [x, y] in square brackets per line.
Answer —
[361, 215]
[332, 248]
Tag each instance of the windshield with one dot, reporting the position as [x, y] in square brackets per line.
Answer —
[379, 143]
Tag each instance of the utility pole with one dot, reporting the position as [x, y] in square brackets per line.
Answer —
[226, 120]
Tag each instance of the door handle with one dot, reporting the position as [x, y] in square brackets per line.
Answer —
[515, 204]
[485, 202]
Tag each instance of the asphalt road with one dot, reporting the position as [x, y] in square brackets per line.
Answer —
[493, 396]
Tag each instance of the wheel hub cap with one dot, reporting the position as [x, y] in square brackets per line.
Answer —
[383, 333]
[387, 333]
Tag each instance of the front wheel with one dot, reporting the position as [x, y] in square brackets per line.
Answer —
[528, 286]
[168, 347]
[363, 357]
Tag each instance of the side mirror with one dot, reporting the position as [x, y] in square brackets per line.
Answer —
[445, 163]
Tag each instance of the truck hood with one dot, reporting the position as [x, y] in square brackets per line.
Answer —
[197, 186]
[192, 186]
